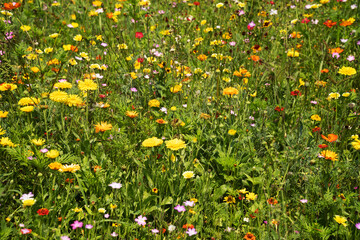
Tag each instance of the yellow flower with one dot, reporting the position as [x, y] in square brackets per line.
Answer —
[55, 165]
[78, 38]
[122, 46]
[28, 202]
[333, 96]
[340, 220]
[132, 114]
[48, 50]
[54, 35]
[154, 103]
[188, 174]
[232, 132]
[3, 114]
[348, 71]
[176, 88]
[316, 117]
[28, 101]
[293, 53]
[7, 86]
[152, 142]
[38, 142]
[70, 168]
[58, 96]
[102, 127]
[230, 91]
[63, 85]
[173, 108]
[27, 109]
[329, 155]
[74, 100]
[175, 144]
[2, 131]
[219, 5]
[229, 199]
[87, 84]
[25, 28]
[251, 196]
[101, 210]
[346, 94]
[35, 69]
[253, 94]
[356, 144]
[67, 47]
[52, 154]
[5, 141]
[242, 191]
[77, 210]
[113, 206]
[96, 3]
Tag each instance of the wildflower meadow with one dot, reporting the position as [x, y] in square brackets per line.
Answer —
[168, 119]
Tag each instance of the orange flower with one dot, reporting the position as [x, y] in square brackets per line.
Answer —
[11, 5]
[255, 58]
[109, 15]
[329, 23]
[272, 201]
[74, 48]
[330, 138]
[335, 50]
[345, 23]
[249, 236]
[161, 121]
[325, 70]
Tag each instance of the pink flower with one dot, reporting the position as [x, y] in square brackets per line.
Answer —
[251, 25]
[141, 220]
[232, 43]
[350, 58]
[180, 208]
[191, 231]
[76, 225]
[303, 200]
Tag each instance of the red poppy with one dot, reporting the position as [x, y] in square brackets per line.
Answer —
[272, 3]
[139, 35]
[140, 60]
[196, 3]
[43, 211]
[295, 93]
[102, 96]
[323, 146]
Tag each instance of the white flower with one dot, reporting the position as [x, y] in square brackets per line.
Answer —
[115, 185]
[171, 228]
[273, 12]
[246, 219]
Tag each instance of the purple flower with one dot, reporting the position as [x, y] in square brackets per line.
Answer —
[358, 42]
[161, 11]
[115, 185]
[104, 44]
[241, 12]
[313, 102]
[31, 158]
[265, 222]
[180, 208]
[141, 220]
[65, 238]
[357, 225]
[232, 43]
[344, 40]
[191, 231]
[303, 200]
[76, 225]
[155, 231]
[189, 203]
[350, 58]
[106, 215]
[133, 89]
[89, 226]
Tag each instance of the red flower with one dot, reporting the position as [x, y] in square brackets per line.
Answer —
[164, 230]
[329, 23]
[323, 146]
[139, 35]
[279, 109]
[102, 96]
[186, 226]
[196, 3]
[295, 93]
[305, 20]
[43, 211]
[316, 129]
[272, 3]
[140, 60]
